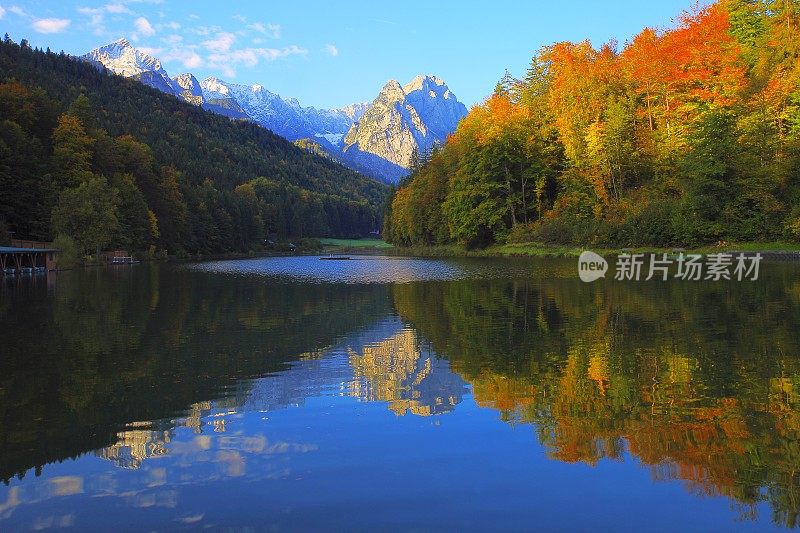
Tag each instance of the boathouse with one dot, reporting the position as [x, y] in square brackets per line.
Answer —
[16, 259]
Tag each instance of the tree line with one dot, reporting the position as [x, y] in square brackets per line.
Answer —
[686, 135]
[106, 162]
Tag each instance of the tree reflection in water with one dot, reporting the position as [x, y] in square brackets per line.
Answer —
[698, 381]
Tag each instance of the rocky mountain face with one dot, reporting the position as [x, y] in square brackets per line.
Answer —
[123, 59]
[190, 89]
[406, 119]
[378, 139]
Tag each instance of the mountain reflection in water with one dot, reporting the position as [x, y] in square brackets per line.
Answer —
[215, 393]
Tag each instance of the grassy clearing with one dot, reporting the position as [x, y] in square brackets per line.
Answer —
[354, 243]
[498, 250]
[546, 250]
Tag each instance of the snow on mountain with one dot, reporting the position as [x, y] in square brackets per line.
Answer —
[286, 117]
[377, 138]
[123, 59]
[190, 89]
[262, 106]
[355, 111]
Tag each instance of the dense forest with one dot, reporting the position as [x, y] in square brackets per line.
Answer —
[106, 162]
[685, 136]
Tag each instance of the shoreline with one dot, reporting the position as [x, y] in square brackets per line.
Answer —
[771, 250]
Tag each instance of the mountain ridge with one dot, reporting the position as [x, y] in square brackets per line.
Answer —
[426, 112]
[158, 171]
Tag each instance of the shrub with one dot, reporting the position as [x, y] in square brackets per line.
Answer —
[521, 233]
[690, 231]
[652, 226]
[69, 256]
[555, 231]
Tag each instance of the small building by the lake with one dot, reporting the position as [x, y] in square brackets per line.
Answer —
[28, 254]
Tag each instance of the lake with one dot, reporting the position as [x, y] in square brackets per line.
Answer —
[397, 394]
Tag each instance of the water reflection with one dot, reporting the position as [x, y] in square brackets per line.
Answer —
[408, 376]
[177, 380]
[699, 383]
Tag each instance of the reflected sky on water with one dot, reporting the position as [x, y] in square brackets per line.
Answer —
[398, 394]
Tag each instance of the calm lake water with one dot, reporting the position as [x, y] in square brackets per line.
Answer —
[397, 394]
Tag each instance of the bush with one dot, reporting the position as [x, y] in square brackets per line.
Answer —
[652, 226]
[593, 232]
[690, 231]
[69, 256]
[522, 233]
[309, 245]
[793, 228]
[555, 231]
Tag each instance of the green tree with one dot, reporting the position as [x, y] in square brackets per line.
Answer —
[68, 253]
[709, 168]
[88, 214]
[135, 230]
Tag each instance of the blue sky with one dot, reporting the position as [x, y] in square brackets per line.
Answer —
[329, 54]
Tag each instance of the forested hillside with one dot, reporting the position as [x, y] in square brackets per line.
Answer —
[110, 163]
[682, 136]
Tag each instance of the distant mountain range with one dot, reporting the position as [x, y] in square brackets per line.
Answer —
[378, 139]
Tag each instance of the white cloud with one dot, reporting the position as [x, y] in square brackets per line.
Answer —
[250, 57]
[204, 30]
[2, 12]
[95, 19]
[51, 25]
[117, 8]
[331, 50]
[240, 18]
[144, 27]
[18, 11]
[227, 70]
[186, 56]
[221, 43]
[273, 30]
[150, 50]
[192, 60]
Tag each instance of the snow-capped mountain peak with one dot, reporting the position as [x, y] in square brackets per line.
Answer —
[376, 138]
[213, 86]
[123, 59]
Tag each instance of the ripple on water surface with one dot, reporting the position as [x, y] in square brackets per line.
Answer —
[367, 269]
